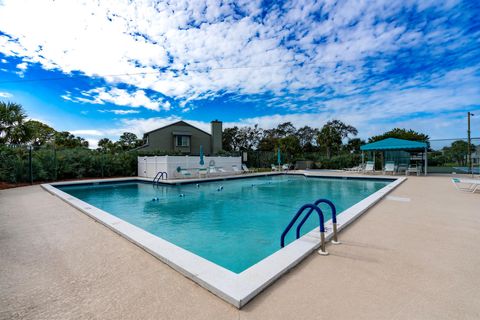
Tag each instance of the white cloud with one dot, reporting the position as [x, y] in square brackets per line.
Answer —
[5, 95]
[140, 126]
[48, 123]
[120, 112]
[118, 37]
[119, 97]
[92, 143]
[332, 67]
[88, 132]
[22, 66]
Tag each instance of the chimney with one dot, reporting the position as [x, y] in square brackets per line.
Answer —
[216, 136]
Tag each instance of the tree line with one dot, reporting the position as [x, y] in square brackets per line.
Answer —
[333, 138]
[328, 139]
[62, 155]
[15, 129]
[57, 155]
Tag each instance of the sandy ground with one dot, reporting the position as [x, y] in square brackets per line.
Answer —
[415, 255]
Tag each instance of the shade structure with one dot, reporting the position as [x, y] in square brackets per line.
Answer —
[202, 162]
[394, 144]
[279, 158]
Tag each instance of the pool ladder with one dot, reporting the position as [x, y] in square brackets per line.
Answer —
[313, 207]
[161, 175]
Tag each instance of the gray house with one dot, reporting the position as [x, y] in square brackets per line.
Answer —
[185, 138]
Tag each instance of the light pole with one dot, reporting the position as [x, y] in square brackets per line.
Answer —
[470, 165]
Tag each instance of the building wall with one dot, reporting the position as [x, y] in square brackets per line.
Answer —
[163, 140]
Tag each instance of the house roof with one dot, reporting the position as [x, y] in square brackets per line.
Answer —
[181, 122]
[394, 144]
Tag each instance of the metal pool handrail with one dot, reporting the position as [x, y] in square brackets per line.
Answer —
[321, 225]
[160, 175]
[334, 219]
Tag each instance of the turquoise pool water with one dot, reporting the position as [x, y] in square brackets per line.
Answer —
[235, 227]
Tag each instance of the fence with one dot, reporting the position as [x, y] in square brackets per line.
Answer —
[37, 164]
[150, 166]
[452, 156]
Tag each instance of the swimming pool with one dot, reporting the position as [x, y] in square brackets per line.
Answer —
[233, 223]
[224, 234]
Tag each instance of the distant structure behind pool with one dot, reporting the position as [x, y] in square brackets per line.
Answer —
[185, 138]
[405, 155]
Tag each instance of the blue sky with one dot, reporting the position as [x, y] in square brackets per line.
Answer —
[98, 69]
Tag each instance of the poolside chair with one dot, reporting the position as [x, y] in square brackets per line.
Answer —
[389, 167]
[369, 167]
[246, 170]
[202, 172]
[413, 168]
[236, 169]
[467, 185]
[274, 168]
[358, 168]
[286, 167]
[222, 171]
[213, 171]
[184, 173]
[402, 167]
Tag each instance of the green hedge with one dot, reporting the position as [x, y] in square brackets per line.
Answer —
[264, 159]
[339, 162]
[49, 164]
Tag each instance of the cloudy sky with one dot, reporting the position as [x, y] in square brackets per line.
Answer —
[98, 68]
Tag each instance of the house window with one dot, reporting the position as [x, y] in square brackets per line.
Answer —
[182, 141]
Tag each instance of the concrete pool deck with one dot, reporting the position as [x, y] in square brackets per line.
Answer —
[414, 255]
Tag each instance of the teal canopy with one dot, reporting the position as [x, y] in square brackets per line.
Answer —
[394, 144]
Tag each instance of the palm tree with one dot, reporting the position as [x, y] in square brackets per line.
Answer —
[12, 124]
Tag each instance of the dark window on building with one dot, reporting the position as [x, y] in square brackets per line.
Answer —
[182, 141]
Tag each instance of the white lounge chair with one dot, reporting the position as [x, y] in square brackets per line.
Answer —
[402, 167]
[389, 167]
[246, 170]
[413, 168]
[358, 168]
[236, 169]
[361, 167]
[274, 168]
[222, 171]
[213, 171]
[467, 185]
[184, 173]
[286, 167]
[369, 167]
[202, 172]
